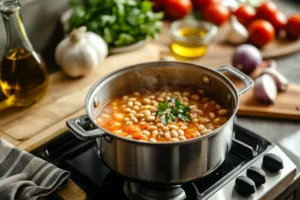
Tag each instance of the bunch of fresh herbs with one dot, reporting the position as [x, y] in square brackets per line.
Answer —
[170, 114]
[118, 22]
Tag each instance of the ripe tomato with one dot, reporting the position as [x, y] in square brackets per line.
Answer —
[200, 4]
[293, 27]
[261, 32]
[266, 10]
[178, 8]
[216, 13]
[245, 14]
[278, 20]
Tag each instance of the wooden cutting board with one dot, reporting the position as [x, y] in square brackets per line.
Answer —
[65, 97]
[286, 105]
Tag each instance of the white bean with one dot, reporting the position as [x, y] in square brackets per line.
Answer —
[195, 97]
[212, 115]
[182, 137]
[174, 139]
[203, 120]
[129, 104]
[160, 125]
[147, 112]
[129, 123]
[185, 93]
[143, 123]
[167, 98]
[145, 132]
[167, 134]
[127, 110]
[134, 119]
[152, 140]
[125, 119]
[165, 128]
[223, 112]
[146, 101]
[218, 107]
[185, 99]
[162, 95]
[129, 136]
[195, 120]
[200, 91]
[174, 133]
[217, 121]
[150, 118]
[197, 133]
[169, 94]
[123, 106]
[132, 111]
[151, 128]
[135, 108]
[160, 99]
[200, 127]
[180, 132]
[151, 97]
[173, 127]
[176, 94]
[118, 116]
[206, 131]
[137, 103]
[125, 97]
[118, 131]
[136, 94]
[154, 132]
[132, 99]
[116, 125]
[193, 107]
[183, 127]
[185, 103]
[139, 115]
[161, 133]
[153, 109]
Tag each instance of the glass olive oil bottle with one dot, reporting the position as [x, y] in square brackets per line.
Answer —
[23, 73]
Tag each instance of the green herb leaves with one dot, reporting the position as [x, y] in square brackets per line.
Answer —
[118, 22]
[170, 114]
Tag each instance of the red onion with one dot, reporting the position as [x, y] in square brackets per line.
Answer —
[265, 89]
[280, 80]
[246, 58]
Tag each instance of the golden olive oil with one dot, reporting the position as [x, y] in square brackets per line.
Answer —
[191, 43]
[23, 77]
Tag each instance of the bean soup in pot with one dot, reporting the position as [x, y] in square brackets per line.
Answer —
[163, 114]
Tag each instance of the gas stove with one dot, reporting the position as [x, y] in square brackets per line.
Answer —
[253, 169]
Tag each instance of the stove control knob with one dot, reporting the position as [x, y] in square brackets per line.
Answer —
[272, 163]
[244, 186]
[257, 175]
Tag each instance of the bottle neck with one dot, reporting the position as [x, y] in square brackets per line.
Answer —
[16, 36]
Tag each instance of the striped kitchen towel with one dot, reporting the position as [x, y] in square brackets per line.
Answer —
[26, 177]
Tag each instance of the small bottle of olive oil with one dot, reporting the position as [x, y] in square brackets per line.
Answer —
[23, 73]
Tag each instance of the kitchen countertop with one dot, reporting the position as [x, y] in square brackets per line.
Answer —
[284, 133]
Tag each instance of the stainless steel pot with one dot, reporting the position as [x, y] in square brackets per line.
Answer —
[164, 163]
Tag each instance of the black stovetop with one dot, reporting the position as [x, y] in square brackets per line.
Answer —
[89, 172]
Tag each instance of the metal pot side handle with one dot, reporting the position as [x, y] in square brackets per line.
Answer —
[237, 73]
[75, 125]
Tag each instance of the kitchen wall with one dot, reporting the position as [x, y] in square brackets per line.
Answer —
[41, 19]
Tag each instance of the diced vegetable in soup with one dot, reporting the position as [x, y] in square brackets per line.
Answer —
[163, 114]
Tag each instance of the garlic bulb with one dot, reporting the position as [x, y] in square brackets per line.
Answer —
[238, 33]
[81, 52]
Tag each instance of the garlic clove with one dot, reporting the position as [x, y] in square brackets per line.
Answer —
[238, 34]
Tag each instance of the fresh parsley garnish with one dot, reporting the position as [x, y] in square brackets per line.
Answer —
[170, 114]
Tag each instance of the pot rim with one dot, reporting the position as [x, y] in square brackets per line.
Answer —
[234, 111]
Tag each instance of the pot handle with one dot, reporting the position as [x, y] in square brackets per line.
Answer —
[75, 125]
[237, 73]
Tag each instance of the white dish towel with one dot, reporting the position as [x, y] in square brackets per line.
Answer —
[26, 177]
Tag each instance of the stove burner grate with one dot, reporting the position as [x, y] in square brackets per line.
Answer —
[136, 191]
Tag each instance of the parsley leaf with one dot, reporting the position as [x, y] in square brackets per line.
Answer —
[170, 114]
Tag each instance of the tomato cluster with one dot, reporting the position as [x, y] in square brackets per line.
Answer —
[264, 22]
